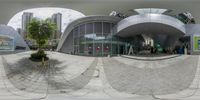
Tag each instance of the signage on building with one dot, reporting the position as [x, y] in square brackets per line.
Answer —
[196, 42]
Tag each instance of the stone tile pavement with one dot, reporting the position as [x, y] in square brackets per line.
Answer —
[70, 77]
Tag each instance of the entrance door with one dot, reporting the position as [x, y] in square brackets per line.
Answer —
[98, 49]
[106, 49]
[89, 49]
[121, 49]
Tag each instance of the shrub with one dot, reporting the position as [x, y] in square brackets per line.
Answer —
[39, 55]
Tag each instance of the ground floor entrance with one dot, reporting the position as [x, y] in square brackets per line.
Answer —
[138, 45]
[100, 48]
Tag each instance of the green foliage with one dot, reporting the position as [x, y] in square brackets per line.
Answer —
[41, 30]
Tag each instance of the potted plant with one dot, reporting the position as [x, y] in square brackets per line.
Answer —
[40, 31]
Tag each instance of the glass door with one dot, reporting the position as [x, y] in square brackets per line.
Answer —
[106, 49]
[98, 49]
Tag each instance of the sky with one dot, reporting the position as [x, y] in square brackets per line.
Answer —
[68, 15]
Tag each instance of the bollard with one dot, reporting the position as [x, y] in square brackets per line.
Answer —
[43, 62]
[185, 51]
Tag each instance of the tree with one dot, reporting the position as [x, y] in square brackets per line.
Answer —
[40, 31]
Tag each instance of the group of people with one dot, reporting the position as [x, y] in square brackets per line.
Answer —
[168, 50]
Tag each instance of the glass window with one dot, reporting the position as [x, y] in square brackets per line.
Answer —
[97, 35]
[95, 39]
[82, 29]
[106, 48]
[98, 27]
[81, 44]
[6, 43]
[106, 27]
[89, 49]
[89, 28]
[75, 31]
[76, 40]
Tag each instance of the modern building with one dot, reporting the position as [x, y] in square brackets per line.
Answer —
[26, 18]
[150, 30]
[57, 19]
[10, 40]
[54, 40]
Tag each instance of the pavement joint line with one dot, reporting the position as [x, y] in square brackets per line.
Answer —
[100, 71]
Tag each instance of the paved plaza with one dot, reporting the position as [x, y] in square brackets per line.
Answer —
[71, 77]
[145, 78]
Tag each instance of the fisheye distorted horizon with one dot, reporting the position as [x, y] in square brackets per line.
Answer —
[68, 15]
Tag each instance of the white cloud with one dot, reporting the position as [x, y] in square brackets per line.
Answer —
[68, 15]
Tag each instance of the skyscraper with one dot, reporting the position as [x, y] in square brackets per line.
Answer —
[26, 18]
[57, 19]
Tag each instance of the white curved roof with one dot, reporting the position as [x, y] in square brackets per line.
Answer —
[163, 20]
[151, 10]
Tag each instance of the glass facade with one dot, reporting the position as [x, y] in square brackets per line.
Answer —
[95, 39]
[6, 43]
[99, 39]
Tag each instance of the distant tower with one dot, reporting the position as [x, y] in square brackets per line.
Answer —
[20, 31]
[26, 19]
[57, 19]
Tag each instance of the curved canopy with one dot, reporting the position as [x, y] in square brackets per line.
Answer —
[150, 24]
[151, 10]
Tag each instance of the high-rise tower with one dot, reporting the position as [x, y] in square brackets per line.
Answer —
[26, 19]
